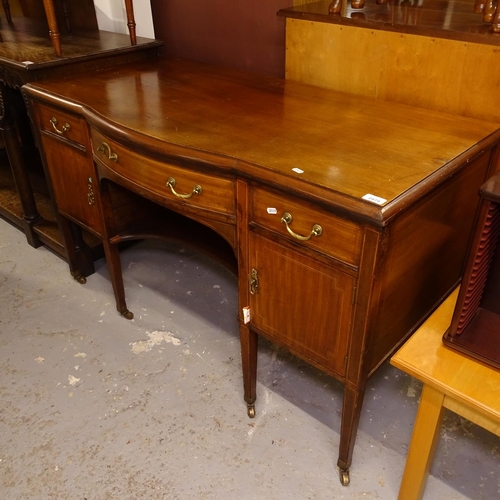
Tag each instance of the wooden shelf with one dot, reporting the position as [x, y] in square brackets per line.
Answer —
[455, 20]
[171, 226]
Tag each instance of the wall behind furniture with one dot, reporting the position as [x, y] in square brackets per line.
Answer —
[242, 34]
[81, 12]
[111, 16]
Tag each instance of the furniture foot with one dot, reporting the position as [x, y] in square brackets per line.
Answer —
[351, 411]
[251, 410]
[78, 254]
[127, 314]
[344, 477]
[78, 277]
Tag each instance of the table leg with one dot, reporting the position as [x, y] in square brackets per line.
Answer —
[423, 444]
[111, 251]
[54, 33]
[249, 342]
[131, 21]
[78, 253]
[351, 412]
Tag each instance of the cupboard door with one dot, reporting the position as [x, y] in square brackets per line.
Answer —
[301, 303]
[74, 183]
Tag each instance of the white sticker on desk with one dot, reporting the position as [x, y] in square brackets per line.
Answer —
[298, 170]
[374, 199]
[272, 211]
[246, 314]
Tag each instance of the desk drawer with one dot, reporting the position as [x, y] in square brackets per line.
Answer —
[173, 184]
[339, 237]
[62, 124]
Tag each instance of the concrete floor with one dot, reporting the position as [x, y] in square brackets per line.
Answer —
[96, 407]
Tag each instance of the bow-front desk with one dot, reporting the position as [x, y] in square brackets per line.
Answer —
[345, 218]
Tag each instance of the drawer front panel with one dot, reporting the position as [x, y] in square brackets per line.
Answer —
[339, 238]
[62, 124]
[173, 184]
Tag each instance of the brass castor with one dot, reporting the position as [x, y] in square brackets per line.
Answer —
[251, 411]
[81, 279]
[127, 314]
[344, 477]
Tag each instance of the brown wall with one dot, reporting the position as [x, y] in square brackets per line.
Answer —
[242, 34]
[81, 12]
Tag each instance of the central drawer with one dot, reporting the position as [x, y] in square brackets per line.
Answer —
[172, 184]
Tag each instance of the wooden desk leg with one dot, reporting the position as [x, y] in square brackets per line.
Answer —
[79, 255]
[111, 251]
[423, 444]
[116, 276]
[249, 342]
[351, 412]
[54, 33]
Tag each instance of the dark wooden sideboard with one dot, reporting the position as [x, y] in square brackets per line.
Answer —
[27, 55]
[348, 217]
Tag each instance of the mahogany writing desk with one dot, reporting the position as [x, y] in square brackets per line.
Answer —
[348, 217]
[451, 380]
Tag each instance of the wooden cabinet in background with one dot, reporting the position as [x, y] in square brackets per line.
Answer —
[27, 55]
[432, 54]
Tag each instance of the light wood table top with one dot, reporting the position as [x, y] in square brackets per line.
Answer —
[451, 380]
[426, 358]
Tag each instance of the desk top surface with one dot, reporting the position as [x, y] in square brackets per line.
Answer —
[316, 139]
[426, 358]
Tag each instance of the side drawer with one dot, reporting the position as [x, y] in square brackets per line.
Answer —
[173, 184]
[339, 238]
[62, 124]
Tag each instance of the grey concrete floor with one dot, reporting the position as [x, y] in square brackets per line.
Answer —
[96, 407]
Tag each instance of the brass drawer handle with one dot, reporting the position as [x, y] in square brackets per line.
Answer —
[65, 127]
[171, 184]
[316, 229]
[104, 148]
